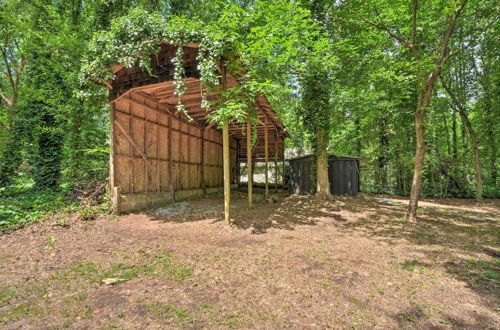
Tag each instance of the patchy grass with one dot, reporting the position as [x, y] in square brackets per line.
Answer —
[486, 270]
[6, 295]
[74, 281]
[158, 266]
[214, 314]
[120, 271]
[164, 266]
[347, 263]
[20, 311]
[169, 312]
[73, 308]
[412, 266]
[81, 270]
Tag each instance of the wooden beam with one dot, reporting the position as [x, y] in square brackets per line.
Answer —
[227, 174]
[202, 161]
[283, 162]
[179, 168]
[170, 164]
[132, 162]
[249, 162]
[238, 165]
[158, 124]
[115, 191]
[266, 157]
[226, 158]
[276, 161]
[132, 142]
[158, 177]
[168, 108]
[131, 100]
[145, 143]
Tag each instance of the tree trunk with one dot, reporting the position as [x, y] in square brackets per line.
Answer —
[424, 96]
[382, 159]
[416, 185]
[455, 144]
[475, 152]
[493, 164]
[475, 144]
[357, 129]
[322, 182]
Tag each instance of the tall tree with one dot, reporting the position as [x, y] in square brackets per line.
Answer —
[12, 67]
[428, 49]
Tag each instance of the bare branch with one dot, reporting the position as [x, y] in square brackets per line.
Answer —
[6, 99]
[7, 65]
[455, 102]
[414, 29]
[444, 51]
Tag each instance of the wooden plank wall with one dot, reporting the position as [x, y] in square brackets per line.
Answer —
[155, 151]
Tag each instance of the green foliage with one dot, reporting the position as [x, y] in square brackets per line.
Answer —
[23, 205]
[240, 38]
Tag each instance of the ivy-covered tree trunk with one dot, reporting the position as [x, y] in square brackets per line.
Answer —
[49, 156]
[75, 141]
[11, 158]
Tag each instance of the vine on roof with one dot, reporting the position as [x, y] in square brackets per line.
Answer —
[256, 42]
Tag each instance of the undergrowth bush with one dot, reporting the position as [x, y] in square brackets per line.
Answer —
[21, 204]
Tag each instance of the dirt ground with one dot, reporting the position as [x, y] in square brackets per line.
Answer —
[298, 263]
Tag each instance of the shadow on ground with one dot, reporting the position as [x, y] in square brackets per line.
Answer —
[463, 243]
[280, 211]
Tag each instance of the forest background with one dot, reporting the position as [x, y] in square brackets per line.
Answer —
[363, 90]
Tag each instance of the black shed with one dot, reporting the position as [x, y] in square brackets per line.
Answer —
[343, 173]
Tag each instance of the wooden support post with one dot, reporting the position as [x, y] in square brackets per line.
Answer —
[115, 191]
[170, 161]
[276, 161]
[158, 177]
[146, 170]
[266, 157]
[179, 150]
[202, 161]
[238, 164]
[131, 150]
[249, 163]
[284, 174]
[226, 160]
[227, 173]
[117, 206]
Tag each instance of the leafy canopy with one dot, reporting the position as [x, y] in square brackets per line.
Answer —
[266, 42]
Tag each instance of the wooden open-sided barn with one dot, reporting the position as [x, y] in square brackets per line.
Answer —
[158, 155]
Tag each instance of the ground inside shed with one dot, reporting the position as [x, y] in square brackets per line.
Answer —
[299, 263]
